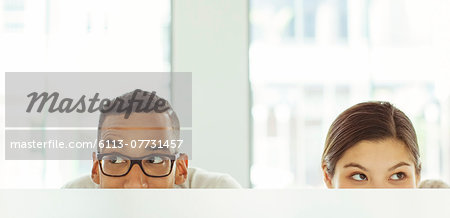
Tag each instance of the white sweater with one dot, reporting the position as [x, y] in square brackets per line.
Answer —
[197, 178]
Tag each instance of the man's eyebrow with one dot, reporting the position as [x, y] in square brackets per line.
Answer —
[356, 165]
[136, 128]
[109, 138]
[399, 165]
[112, 139]
[149, 148]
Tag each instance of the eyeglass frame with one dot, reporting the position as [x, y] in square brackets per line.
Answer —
[138, 161]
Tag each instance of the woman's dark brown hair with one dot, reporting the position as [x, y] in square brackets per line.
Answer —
[370, 121]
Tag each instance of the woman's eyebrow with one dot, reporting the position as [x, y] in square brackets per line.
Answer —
[399, 165]
[356, 165]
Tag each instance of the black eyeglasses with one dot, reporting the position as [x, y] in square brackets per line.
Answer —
[153, 165]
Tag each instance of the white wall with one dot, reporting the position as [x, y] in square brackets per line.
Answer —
[210, 39]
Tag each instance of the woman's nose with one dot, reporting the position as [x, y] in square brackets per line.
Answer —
[379, 183]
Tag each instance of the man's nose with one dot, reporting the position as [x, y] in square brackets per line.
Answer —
[135, 178]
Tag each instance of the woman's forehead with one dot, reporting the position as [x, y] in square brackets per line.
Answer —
[380, 152]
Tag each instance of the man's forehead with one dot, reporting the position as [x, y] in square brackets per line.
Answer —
[138, 120]
[128, 150]
[138, 126]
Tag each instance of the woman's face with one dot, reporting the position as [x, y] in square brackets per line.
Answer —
[375, 164]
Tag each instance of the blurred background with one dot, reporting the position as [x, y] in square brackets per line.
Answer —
[269, 76]
[77, 36]
[312, 59]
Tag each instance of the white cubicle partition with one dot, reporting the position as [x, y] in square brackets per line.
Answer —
[216, 203]
[210, 39]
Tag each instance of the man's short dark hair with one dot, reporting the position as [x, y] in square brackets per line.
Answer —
[149, 99]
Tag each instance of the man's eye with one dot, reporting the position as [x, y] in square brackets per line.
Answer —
[155, 160]
[359, 177]
[117, 160]
[398, 176]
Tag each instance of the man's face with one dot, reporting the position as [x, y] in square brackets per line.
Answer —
[133, 135]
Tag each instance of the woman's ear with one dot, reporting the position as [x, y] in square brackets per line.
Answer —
[417, 180]
[326, 177]
[94, 173]
[181, 172]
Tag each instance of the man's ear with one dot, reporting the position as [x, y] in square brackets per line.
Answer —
[326, 177]
[181, 172]
[94, 173]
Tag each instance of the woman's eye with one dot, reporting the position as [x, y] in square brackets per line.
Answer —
[359, 177]
[398, 176]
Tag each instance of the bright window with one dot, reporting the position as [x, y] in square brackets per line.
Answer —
[74, 36]
[312, 59]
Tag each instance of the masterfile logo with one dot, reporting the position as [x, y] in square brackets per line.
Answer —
[94, 104]
[55, 115]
